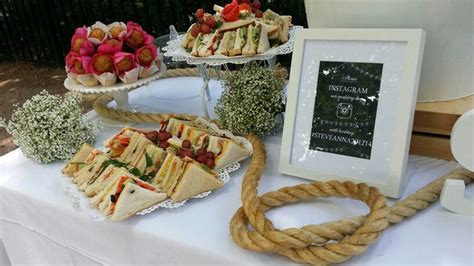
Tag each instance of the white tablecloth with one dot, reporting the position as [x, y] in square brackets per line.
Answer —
[40, 224]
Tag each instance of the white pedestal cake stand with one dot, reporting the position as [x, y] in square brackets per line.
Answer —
[119, 92]
[178, 53]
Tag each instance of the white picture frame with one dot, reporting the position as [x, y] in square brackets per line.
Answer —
[309, 149]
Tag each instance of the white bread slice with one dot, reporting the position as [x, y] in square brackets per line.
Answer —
[285, 28]
[217, 8]
[194, 181]
[112, 192]
[271, 30]
[197, 44]
[109, 175]
[250, 47]
[234, 25]
[216, 40]
[86, 173]
[117, 143]
[231, 152]
[270, 17]
[192, 134]
[241, 37]
[133, 199]
[135, 148]
[204, 50]
[90, 186]
[227, 43]
[263, 43]
[132, 144]
[151, 160]
[188, 39]
[172, 176]
[78, 160]
[101, 194]
[175, 126]
[165, 177]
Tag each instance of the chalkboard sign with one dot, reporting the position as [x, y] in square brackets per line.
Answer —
[350, 105]
[345, 108]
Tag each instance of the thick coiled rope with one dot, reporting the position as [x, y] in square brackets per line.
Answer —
[326, 243]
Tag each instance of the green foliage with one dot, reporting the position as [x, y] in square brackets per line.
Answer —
[251, 100]
[41, 31]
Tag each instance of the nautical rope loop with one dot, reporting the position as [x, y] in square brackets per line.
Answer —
[322, 244]
[326, 243]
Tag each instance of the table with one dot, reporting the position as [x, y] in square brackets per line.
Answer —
[40, 224]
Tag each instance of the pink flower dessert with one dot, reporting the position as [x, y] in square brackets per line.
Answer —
[125, 67]
[80, 44]
[146, 55]
[102, 66]
[147, 58]
[78, 68]
[136, 37]
[111, 46]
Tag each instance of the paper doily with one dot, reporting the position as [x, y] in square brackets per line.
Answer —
[178, 53]
[223, 175]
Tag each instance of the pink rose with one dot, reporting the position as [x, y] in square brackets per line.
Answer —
[124, 62]
[101, 63]
[149, 39]
[131, 24]
[111, 46]
[80, 44]
[146, 55]
[77, 64]
[81, 31]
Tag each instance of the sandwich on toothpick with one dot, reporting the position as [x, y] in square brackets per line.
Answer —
[227, 43]
[122, 191]
[263, 43]
[184, 178]
[241, 37]
[250, 47]
[78, 161]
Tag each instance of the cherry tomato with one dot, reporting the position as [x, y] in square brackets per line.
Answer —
[211, 163]
[257, 4]
[258, 13]
[205, 29]
[163, 136]
[188, 153]
[152, 135]
[186, 144]
[201, 151]
[201, 158]
[195, 30]
[199, 14]
[211, 22]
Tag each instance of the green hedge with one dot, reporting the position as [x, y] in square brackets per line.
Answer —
[40, 30]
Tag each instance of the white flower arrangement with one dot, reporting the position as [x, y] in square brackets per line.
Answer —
[49, 128]
[251, 101]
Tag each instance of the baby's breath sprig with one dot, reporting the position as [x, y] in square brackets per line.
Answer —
[48, 127]
[251, 100]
